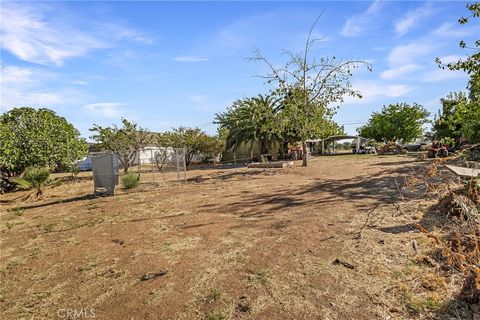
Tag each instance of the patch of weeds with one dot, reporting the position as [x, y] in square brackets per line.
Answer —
[167, 245]
[35, 252]
[214, 295]
[18, 212]
[12, 264]
[111, 273]
[69, 223]
[433, 282]
[94, 221]
[263, 276]
[11, 224]
[49, 227]
[91, 206]
[87, 267]
[153, 295]
[217, 315]
[152, 275]
[418, 303]
[159, 227]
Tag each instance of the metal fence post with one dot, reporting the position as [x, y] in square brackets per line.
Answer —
[178, 164]
[184, 165]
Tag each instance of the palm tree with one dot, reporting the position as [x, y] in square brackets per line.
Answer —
[34, 178]
[251, 121]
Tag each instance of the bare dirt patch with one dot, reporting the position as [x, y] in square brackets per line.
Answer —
[231, 244]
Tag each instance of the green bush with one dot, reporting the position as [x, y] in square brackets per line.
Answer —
[34, 178]
[130, 180]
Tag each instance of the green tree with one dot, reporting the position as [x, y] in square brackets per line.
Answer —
[312, 87]
[471, 64]
[396, 122]
[316, 123]
[448, 123]
[465, 118]
[37, 137]
[212, 147]
[125, 141]
[195, 141]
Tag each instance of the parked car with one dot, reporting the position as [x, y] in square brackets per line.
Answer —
[85, 164]
[364, 150]
[419, 146]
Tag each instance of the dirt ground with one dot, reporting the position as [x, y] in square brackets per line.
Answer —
[233, 243]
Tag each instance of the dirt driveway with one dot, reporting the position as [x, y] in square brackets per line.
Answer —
[232, 244]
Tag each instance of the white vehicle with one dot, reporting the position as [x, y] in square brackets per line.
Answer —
[85, 164]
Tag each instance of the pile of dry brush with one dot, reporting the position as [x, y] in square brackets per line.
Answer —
[458, 239]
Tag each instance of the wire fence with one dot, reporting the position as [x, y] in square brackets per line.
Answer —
[159, 166]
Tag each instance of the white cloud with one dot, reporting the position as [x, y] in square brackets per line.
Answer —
[400, 71]
[190, 59]
[448, 29]
[79, 82]
[412, 18]
[262, 30]
[409, 53]
[105, 109]
[208, 103]
[373, 90]
[452, 58]
[438, 75]
[357, 24]
[28, 33]
[25, 87]
[202, 102]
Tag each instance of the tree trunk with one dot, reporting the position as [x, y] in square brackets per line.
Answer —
[263, 147]
[285, 149]
[304, 155]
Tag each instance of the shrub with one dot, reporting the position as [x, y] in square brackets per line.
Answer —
[7, 185]
[74, 170]
[34, 178]
[130, 180]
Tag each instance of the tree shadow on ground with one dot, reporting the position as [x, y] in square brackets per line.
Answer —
[224, 176]
[61, 201]
[324, 193]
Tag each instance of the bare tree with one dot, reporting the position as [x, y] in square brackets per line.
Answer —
[312, 88]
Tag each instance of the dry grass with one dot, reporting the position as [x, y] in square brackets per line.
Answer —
[231, 244]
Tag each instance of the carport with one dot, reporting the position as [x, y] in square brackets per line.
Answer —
[359, 140]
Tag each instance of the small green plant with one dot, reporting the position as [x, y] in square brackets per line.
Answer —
[49, 227]
[214, 295]
[74, 170]
[218, 315]
[88, 266]
[34, 178]
[18, 211]
[263, 276]
[130, 180]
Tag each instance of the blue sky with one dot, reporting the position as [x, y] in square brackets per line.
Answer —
[167, 64]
